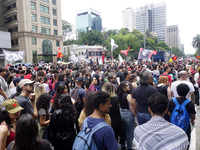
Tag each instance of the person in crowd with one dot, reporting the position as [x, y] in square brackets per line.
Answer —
[167, 71]
[38, 87]
[182, 91]
[196, 86]
[3, 84]
[134, 81]
[28, 74]
[103, 138]
[88, 109]
[46, 85]
[26, 136]
[62, 131]
[183, 79]
[61, 80]
[140, 95]
[116, 121]
[43, 104]
[27, 98]
[15, 82]
[10, 112]
[92, 85]
[127, 111]
[62, 89]
[158, 133]
[98, 75]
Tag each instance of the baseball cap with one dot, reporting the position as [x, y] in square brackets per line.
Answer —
[12, 106]
[79, 79]
[16, 80]
[25, 81]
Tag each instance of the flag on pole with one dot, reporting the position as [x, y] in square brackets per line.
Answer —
[125, 52]
[59, 53]
[120, 59]
[100, 61]
[113, 45]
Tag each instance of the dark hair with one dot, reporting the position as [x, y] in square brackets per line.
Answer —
[166, 67]
[144, 80]
[182, 89]
[67, 108]
[5, 117]
[100, 98]
[43, 101]
[26, 133]
[89, 108]
[59, 92]
[40, 73]
[157, 103]
[61, 77]
[125, 73]
[120, 90]
[2, 69]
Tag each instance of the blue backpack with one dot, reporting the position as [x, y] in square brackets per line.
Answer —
[180, 116]
[84, 140]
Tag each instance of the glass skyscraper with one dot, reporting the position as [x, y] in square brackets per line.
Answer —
[88, 19]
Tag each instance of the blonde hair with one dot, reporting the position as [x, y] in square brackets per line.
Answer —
[109, 88]
[38, 90]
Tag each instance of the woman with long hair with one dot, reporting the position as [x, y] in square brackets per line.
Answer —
[126, 111]
[10, 112]
[43, 104]
[62, 89]
[92, 85]
[26, 136]
[61, 131]
[114, 113]
[38, 87]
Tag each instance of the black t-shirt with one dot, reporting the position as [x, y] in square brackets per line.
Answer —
[162, 89]
[121, 76]
[189, 107]
[141, 93]
[123, 101]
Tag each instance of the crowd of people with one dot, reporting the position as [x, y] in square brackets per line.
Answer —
[47, 106]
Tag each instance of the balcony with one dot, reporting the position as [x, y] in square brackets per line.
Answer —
[6, 3]
[9, 13]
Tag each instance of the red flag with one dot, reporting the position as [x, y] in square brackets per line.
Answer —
[125, 52]
[174, 58]
[154, 52]
[59, 54]
[103, 58]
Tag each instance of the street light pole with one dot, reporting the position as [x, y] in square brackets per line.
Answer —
[144, 14]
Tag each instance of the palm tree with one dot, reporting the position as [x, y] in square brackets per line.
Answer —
[196, 42]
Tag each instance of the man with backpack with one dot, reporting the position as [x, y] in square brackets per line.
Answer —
[181, 107]
[96, 134]
[157, 133]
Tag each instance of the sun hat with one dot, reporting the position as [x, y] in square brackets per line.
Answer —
[12, 106]
[25, 81]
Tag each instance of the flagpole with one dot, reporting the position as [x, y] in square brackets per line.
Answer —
[111, 56]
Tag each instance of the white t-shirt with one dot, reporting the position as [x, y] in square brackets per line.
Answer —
[46, 87]
[176, 83]
[196, 76]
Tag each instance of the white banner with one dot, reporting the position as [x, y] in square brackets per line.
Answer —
[13, 56]
[73, 58]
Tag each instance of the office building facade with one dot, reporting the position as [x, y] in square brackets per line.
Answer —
[88, 19]
[35, 27]
[129, 19]
[173, 39]
[153, 18]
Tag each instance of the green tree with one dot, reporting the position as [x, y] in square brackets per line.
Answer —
[109, 33]
[177, 52]
[196, 43]
[124, 31]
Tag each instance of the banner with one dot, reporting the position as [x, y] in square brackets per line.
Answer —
[73, 58]
[146, 54]
[13, 56]
[113, 45]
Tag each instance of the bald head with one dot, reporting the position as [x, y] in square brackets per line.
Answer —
[183, 75]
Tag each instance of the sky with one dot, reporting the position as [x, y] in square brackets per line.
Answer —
[184, 13]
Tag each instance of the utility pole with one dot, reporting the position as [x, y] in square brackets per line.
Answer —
[144, 15]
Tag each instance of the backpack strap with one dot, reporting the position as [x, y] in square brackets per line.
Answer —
[185, 102]
[85, 123]
[175, 101]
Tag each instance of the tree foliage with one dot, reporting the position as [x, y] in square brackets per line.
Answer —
[196, 43]
[66, 27]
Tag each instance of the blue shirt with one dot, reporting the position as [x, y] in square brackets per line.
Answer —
[104, 137]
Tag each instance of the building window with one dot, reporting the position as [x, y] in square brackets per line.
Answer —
[45, 30]
[54, 2]
[34, 28]
[34, 41]
[57, 43]
[45, 1]
[45, 20]
[55, 32]
[44, 9]
[33, 6]
[54, 12]
[47, 51]
[54, 22]
[14, 42]
[34, 17]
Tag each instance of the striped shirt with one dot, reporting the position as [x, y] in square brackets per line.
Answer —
[159, 134]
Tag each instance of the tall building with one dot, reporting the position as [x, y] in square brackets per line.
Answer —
[88, 19]
[128, 19]
[153, 18]
[35, 27]
[182, 48]
[173, 39]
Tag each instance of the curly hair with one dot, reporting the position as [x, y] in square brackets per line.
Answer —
[43, 101]
[100, 98]
[38, 90]
[89, 102]
[59, 92]
[67, 108]
[109, 88]
[144, 80]
[120, 90]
